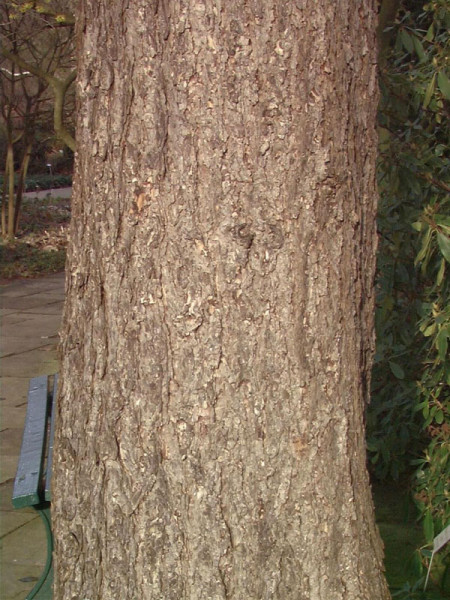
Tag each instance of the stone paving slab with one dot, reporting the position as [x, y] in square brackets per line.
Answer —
[25, 303]
[13, 393]
[30, 364]
[65, 192]
[16, 415]
[50, 309]
[10, 442]
[17, 345]
[12, 520]
[6, 311]
[30, 325]
[26, 559]
[12, 317]
[28, 287]
[30, 320]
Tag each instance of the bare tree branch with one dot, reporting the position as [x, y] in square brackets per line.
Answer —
[59, 87]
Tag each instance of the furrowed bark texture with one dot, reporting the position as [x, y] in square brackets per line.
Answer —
[218, 327]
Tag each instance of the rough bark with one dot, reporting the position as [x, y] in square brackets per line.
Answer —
[218, 326]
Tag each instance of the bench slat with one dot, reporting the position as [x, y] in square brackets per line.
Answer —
[48, 476]
[29, 471]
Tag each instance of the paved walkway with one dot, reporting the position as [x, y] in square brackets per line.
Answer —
[30, 319]
[56, 193]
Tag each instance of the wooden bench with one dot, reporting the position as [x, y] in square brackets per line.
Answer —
[32, 486]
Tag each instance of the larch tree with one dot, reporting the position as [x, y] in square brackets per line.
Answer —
[218, 326]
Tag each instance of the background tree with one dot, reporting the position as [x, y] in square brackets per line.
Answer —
[38, 38]
[218, 327]
[22, 99]
[36, 56]
[409, 417]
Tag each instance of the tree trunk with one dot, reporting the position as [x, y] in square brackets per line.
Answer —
[218, 327]
[5, 195]
[21, 184]
[60, 89]
[386, 31]
[10, 170]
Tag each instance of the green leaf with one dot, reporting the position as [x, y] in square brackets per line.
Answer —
[428, 527]
[418, 225]
[441, 273]
[397, 370]
[371, 446]
[384, 135]
[442, 343]
[430, 33]
[416, 409]
[425, 245]
[442, 219]
[444, 84]
[439, 417]
[430, 330]
[430, 91]
[444, 245]
[419, 49]
[407, 41]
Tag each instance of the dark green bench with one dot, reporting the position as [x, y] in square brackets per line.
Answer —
[32, 486]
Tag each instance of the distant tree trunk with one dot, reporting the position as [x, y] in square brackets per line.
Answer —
[5, 195]
[60, 89]
[385, 32]
[10, 171]
[218, 327]
[21, 184]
